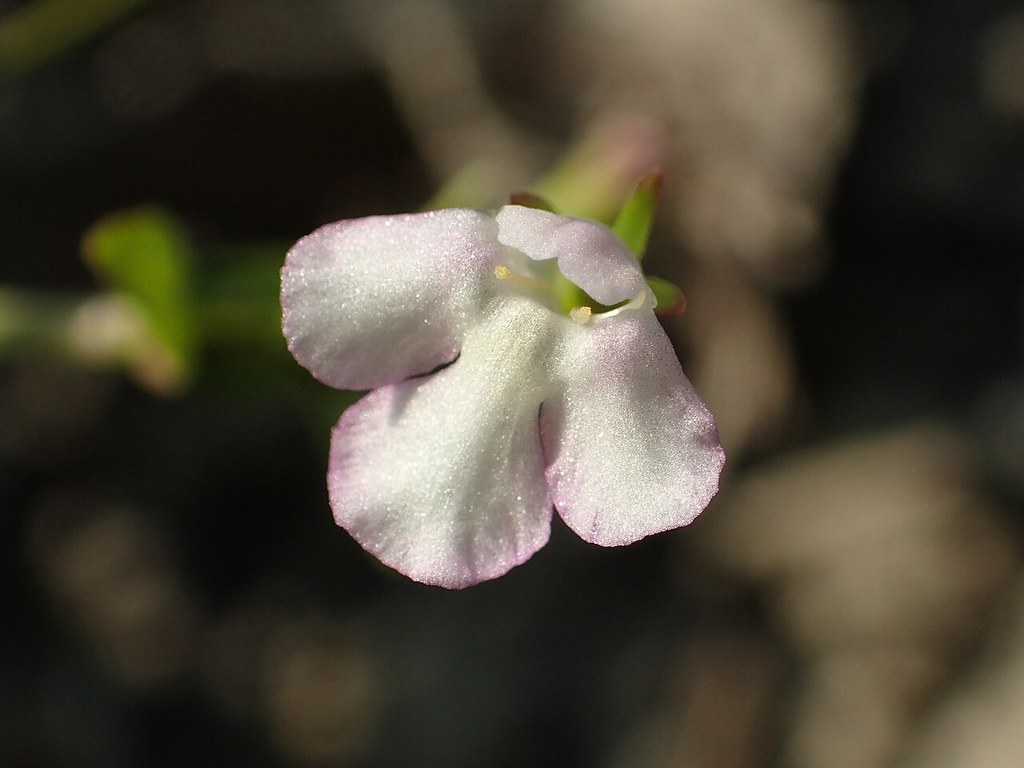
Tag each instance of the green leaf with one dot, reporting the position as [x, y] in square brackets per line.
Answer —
[145, 256]
[633, 224]
[671, 300]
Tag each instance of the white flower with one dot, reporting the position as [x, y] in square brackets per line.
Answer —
[450, 476]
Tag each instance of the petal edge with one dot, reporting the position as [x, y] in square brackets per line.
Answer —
[442, 477]
[631, 448]
[373, 301]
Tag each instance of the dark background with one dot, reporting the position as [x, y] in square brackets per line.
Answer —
[175, 592]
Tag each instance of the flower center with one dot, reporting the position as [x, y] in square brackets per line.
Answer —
[556, 292]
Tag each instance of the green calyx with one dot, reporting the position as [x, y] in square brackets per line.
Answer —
[633, 224]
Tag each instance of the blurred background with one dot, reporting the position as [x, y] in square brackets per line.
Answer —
[844, 209]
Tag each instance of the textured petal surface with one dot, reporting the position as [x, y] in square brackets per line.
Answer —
[631, 448]
[373, 301]
[442, 477]
[589, 254]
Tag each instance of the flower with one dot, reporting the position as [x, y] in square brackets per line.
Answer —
[489, 403]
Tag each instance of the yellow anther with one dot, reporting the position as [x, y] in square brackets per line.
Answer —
[580, 315]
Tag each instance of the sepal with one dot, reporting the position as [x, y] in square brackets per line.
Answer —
[633, 224]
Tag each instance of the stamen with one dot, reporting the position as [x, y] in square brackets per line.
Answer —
[529, 283]
[580, 315]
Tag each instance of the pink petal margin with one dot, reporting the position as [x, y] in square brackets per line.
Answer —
[442, 477]
[374, 301]
[631, 448]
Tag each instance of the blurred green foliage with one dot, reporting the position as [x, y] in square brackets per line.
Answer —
[39, 31]
[145, 257]
[170, 317]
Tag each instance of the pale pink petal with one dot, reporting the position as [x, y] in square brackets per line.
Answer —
[631, 448]
[373, 301]
[442, 477]
[588, 253]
